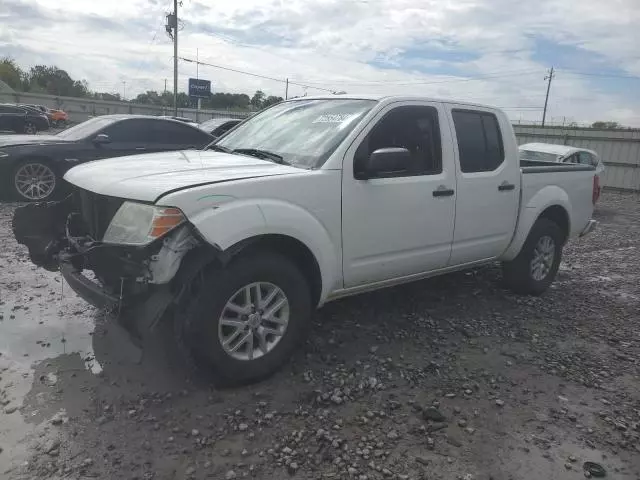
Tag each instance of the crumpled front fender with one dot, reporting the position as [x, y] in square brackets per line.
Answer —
[41, 228]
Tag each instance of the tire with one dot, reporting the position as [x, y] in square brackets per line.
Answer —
[202, 329]
[34, 181]
[533, 270]
[30, 128]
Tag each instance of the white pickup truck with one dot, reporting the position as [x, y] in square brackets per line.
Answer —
[308, 201]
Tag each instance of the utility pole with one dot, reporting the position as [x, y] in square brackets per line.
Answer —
[199, 104]
[546, 99]
[165, 85]
[172, 24]
[286, 90]
[124, 90]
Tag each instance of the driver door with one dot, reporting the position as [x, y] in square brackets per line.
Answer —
[401, 223]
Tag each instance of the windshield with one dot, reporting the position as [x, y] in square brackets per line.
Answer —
[86, 129]
[538, 156]
[303, 132]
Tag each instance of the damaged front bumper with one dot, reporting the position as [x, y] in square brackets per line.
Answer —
[107, 276]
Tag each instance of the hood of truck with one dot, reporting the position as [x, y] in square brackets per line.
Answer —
[147, 177]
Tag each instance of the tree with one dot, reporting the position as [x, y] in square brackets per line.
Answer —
[605, 125]
[258, 99]
[54, 81]
[271, 100]
[10, 73]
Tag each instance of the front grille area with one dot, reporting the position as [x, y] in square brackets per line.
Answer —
[97, 211]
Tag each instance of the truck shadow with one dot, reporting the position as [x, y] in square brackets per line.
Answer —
[350, 326]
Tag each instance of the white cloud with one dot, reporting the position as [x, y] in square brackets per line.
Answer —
[338, 43]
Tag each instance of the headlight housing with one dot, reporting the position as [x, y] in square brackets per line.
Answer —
[138, 224]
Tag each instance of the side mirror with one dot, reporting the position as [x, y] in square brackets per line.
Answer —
[387, 161]
[101, 139]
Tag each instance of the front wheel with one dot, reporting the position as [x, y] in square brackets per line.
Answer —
[247, 318]
[34, 181]
[30, 128]
[536, 266]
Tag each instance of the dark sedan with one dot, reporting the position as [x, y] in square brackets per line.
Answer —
[22, 119]
[219, 126]
[32, 166]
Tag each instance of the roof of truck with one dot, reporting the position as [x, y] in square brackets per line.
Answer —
[397, 98]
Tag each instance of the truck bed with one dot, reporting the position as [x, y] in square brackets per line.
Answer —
[571, 181]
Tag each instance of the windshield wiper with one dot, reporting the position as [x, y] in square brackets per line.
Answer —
[217, 148]
[262, 154]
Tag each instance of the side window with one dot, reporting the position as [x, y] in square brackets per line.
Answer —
[415, 128]
[586, 158]
[480, 144]
[224, 128]
[175, 133]
[572, 159]
[130, 131]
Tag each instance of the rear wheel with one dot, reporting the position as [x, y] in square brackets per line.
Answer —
[30, 128]
[34, 181]
[247, 318]
[536, 266]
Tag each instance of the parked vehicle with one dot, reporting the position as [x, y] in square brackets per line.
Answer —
[181, 119]
[219, 126]
[32, 166]
[549, 152]
[59, 118]
[310, 200]
[22, 119]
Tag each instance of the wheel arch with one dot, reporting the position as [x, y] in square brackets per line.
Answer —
[550, 202]
[236, 226]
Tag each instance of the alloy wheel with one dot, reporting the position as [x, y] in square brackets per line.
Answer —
[35, 181]
[543, 256]
[253, 321]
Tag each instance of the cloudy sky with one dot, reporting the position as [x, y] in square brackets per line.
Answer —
[489, 51]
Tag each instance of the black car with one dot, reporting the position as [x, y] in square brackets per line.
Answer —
[31, 167]
[219, 126]
[22, 119]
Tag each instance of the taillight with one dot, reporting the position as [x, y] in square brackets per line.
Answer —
[596, 189]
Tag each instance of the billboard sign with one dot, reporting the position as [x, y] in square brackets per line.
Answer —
[199, 88]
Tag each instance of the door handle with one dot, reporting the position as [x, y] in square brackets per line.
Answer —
[140, 148]
[443, 191]
[506, 186]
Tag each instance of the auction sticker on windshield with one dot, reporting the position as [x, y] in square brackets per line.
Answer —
[335, 117]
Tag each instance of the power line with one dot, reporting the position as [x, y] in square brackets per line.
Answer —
[190, 60]
[606, 75]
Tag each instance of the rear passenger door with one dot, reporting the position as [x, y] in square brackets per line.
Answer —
[488, 184]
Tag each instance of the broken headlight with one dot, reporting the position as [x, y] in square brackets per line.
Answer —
[140, 224]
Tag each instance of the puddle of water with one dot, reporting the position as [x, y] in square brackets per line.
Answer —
[55, 322]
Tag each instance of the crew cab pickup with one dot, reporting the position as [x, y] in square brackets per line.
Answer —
[310, 200]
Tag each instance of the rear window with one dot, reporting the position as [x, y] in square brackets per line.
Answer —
[480, 145]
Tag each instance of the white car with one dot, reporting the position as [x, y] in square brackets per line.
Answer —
[310, 200]
[550, 152]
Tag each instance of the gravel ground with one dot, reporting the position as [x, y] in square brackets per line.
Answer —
[450, 378]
